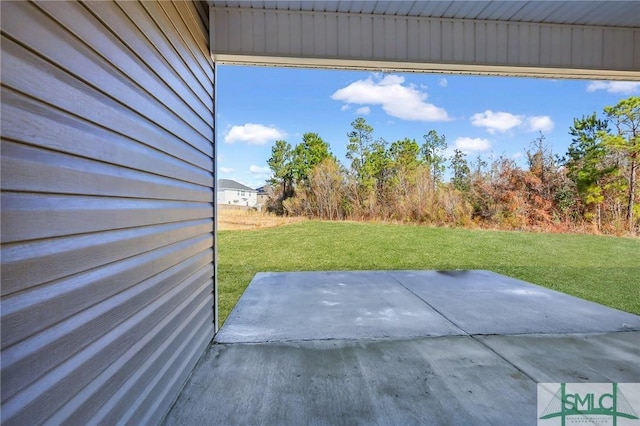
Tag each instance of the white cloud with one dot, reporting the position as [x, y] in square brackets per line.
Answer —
[501, 122]
[365, 110]
[496, 121]
[542, 123]
[472, 145]
[253, 134]
[442, 82]
[345, 107]
[226, 170]
[257, 170]
[397, 99]
[619, 87]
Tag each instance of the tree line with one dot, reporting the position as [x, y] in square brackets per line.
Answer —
[591, 188]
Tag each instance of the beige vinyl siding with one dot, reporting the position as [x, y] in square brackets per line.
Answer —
[107, 208]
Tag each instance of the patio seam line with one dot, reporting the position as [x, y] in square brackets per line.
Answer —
[405, 338]
[504, 358]
[344, 339]
[463, 330]
[426, 303]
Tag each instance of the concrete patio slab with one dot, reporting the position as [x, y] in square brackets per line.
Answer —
[553, 358]
[330, 305]
[438, 380]
[401, 347]
[483, 302]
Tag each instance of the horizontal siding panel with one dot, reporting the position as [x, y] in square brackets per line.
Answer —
[21, 361]
[122, 382]
[29, 169]
[186, 86]
[36, 403]
[140, 17]
[107, 217]
[34, 216]
[29, 264]
[51, 41]
[200, 12]
[27, 312]
[107, 45]
[166, 18]
[170, 380]
[195, 49]
[203, 12]
[27, 73]
[30, 121]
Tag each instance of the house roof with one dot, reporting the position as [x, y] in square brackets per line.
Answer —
[264, 189]
[232, 184]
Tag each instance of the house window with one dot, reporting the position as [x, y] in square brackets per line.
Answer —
[242, 193]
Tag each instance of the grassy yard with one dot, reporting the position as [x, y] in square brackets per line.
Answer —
[602, 269]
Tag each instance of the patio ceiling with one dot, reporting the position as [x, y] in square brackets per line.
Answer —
[555, 39]
[599, 13]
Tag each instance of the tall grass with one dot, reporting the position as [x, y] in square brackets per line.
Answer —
[237, 218]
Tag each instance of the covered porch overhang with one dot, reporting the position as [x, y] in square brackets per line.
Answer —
[552, 39]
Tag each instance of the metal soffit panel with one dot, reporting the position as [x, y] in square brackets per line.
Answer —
[597, 13]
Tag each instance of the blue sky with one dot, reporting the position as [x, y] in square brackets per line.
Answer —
[480, 115]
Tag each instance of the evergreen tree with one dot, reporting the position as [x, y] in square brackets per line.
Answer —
[359, 147]
[307, 154]
[461, 172]
[625, 116]
[403, 154]
[432, 149]
[281, 167]
[585, 162]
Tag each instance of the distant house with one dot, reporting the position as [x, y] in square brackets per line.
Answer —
[234, 193]
[264, 192]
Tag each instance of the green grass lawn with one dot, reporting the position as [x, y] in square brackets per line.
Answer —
[598, 268]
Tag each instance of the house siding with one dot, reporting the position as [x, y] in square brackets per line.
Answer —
[234, 197]
[107, 297]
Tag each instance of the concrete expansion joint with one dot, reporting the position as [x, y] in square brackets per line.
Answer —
[458, 326]
[558, 333]
[342, 340]
[504, 358]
